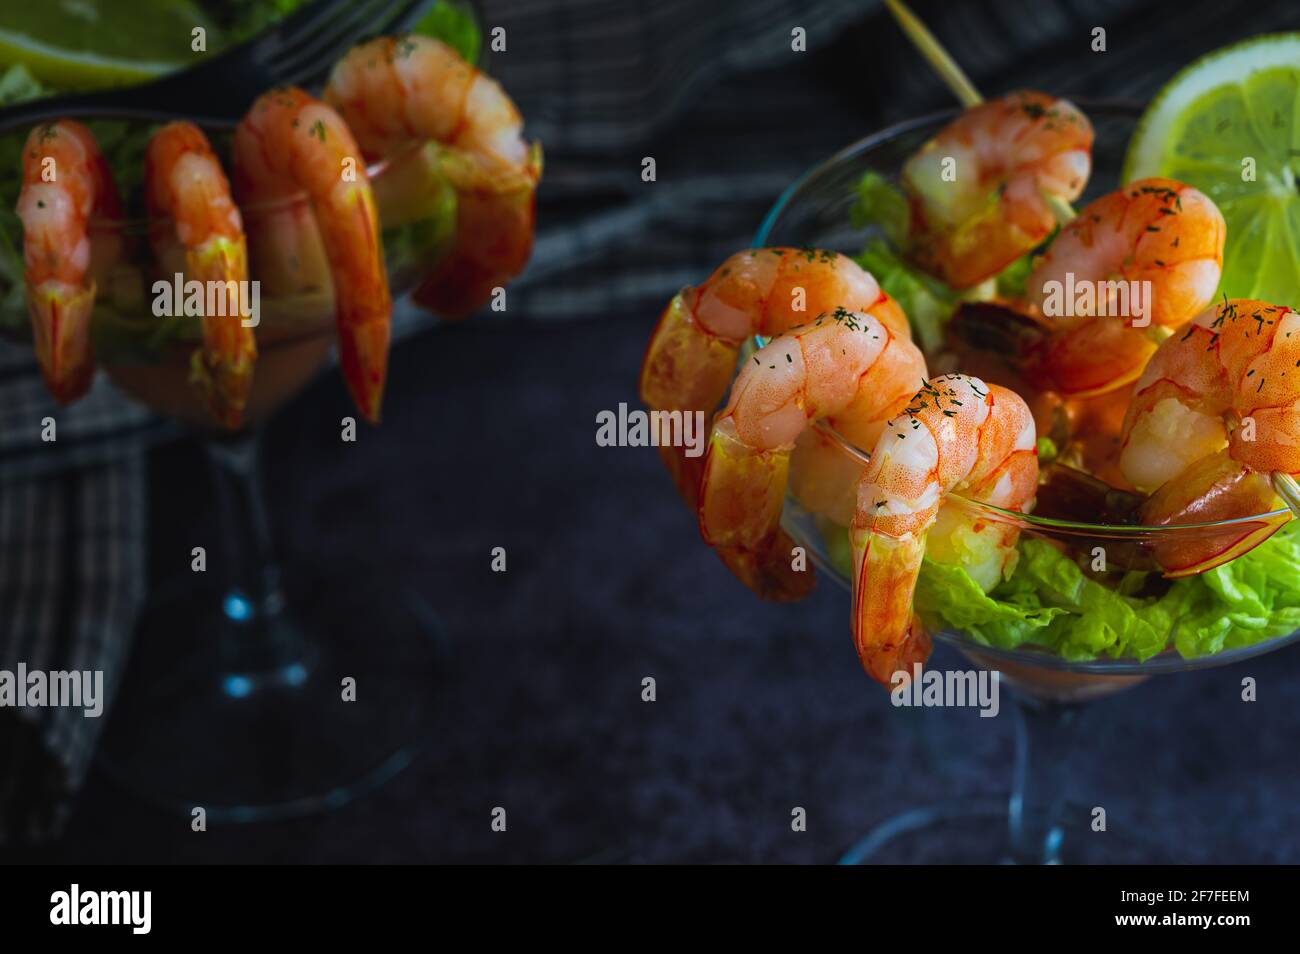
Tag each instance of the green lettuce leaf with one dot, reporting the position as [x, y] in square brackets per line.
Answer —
[948, 598]
[883, 205]
[455, 25]
[1051, 602]
[1253, 598]
[928, 304]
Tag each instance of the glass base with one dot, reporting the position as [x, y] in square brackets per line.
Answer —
[288, 709]
[975, 831]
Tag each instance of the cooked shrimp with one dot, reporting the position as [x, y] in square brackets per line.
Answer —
[983, 190]
[184, 183]
[1215, 414]
[398, 91]
[846, 367]
[692, 352]
[287, 143]
[958, 434]
[66, 184]
[1138, 262]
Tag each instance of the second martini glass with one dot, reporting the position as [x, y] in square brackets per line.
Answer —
[1036, 825]
[258, 690]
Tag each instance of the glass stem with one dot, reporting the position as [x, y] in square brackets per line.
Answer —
[1045, 737]
[256, 636]
[251, 568]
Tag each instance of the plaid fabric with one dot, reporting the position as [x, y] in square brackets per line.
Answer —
[731, 114]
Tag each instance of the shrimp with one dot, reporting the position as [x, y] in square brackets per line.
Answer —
[184, 183]
[693, 350]
[289, 142]
[846, 367]
[982, 191]
[1215, 414]
[396, 91]
[957, 434]
[1149, 254]
[66, 185]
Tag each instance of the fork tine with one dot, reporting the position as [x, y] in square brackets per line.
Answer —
[317, 53]
[307, 22]
[403, 17]
[386, 16]
[398, 16]
[252, 67]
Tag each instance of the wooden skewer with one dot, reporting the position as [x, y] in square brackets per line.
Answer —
[957, 80]
[934, 52]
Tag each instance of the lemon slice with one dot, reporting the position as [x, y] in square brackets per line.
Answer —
[83, 44]
[1229, 124]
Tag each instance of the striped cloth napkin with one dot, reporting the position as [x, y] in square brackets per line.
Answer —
[730, 112]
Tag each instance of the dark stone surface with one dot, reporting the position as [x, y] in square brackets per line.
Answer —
[489, 441]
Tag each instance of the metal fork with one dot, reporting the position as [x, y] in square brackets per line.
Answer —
[218, 90]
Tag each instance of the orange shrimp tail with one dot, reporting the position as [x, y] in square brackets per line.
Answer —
[289, 141]
[61, 332]
[768, 570]
[496, 212]
[687, 472]
[685, 368]
[222, 369]
[741, 496]
[66, 184]
[365, 306]
[363, 355]
[188, 198]
[887, 637]
[1215, 488]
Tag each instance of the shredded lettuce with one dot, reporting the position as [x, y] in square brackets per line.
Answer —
[882, 204]
[1011, 280]
[454, 24]
[928, 304]
[1252, 598]
[1051, 603]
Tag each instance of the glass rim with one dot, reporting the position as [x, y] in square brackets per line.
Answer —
[139, 223]
[1126, 107]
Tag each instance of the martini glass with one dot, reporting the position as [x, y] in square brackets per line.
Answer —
[260, 689]
[1034, 824]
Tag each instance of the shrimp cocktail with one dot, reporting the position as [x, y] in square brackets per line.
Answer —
[211, 273]
[1010, 401]
[1025, 378]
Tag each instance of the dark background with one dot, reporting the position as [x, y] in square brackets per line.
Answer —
[489, 441]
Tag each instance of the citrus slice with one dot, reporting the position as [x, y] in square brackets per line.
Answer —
[82, 44]
[1229, 124]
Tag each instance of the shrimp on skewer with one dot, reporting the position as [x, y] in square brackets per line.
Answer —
[397, 91]
[184, 183]
[846, 367]
[1215, 414]
[958, 434]
[692, 352]
[1140, 260]
[289, 142]
[66, 184]
[984, 191]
